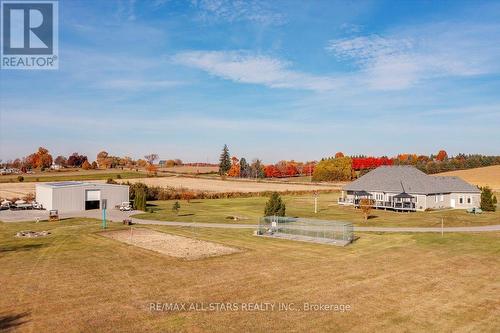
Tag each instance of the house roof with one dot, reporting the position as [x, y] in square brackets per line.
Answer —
[408, 179]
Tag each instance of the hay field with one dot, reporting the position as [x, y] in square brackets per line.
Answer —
[190, 169]
[486, 176]
[221, 186]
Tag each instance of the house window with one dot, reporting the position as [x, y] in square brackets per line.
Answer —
[468, 200]
[436, 198]
[461, 200]
[441, 197]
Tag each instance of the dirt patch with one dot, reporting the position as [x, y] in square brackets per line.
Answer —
[171, 245]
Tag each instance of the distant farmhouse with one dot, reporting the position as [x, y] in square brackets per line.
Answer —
[405, 188]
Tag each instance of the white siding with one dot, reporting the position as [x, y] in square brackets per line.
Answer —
[72, 198]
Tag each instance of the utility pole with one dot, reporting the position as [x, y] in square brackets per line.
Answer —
[315, 202]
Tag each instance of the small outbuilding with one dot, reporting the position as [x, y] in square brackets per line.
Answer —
[77, 196]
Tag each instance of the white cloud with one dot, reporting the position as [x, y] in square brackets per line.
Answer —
[257, 69]
[406, 57]
[238, 10]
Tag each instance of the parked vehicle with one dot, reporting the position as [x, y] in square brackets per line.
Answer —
[125, 206]
[36, 205]
[474, 210]
[5, 205]
[21, 204]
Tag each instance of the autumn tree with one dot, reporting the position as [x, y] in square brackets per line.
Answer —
[151, 168]
[151, 158]
[442, 155]
[94, 165]
[86, 165]
[103, 160]
[257, 169]
[76, 160]
[234, 171]
[339, 154]
[366, 206]
[333, 169]
[224, 161]
[61, 161]
[41, 159]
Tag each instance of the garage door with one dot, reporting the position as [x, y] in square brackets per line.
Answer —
[92, 199]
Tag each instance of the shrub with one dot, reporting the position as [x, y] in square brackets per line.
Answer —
[275, 206]
[111, 181]
[488, 200]
[366, 206]
[118, 176]
[175, 207]
[20, 178]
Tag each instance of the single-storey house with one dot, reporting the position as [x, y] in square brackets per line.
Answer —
[405, 188]
[74, 196]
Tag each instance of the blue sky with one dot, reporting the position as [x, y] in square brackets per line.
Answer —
[275, 80]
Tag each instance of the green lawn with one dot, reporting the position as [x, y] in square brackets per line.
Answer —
[76, 176]
[248, 210]
[76, 280]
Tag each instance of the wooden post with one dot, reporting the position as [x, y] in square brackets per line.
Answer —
[442, 227]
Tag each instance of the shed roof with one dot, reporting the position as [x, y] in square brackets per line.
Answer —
[397, 179]
[76, 184]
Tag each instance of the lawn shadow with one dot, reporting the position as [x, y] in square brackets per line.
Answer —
[187, 214]
[20, 247]
[372, 217]
[10, 321]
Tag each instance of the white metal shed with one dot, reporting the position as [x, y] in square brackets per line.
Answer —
[77, 196]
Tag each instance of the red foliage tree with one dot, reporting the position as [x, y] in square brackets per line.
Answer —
[442, 155]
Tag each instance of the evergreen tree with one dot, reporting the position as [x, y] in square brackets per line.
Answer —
[176, 206]
[244, 168]
[140, 199]
[275, 206]
[488, 200]
[224, 161]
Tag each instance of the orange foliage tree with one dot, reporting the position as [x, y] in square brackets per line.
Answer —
[339, 154]
[235, 169]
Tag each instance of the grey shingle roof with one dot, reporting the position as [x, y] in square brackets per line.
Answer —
[397, 179]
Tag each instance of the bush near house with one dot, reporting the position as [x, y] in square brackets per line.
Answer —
[488, 200]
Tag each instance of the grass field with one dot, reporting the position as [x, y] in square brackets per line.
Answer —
[56, 176]
[487, 176]
[248, 210]
[77, 280]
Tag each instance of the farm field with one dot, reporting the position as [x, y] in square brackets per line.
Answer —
[486, 176]
[79, 279]
[248, 210]
[222, 186]
[65, 175]
[190, 169]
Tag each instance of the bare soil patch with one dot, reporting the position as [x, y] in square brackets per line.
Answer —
[170, 245]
